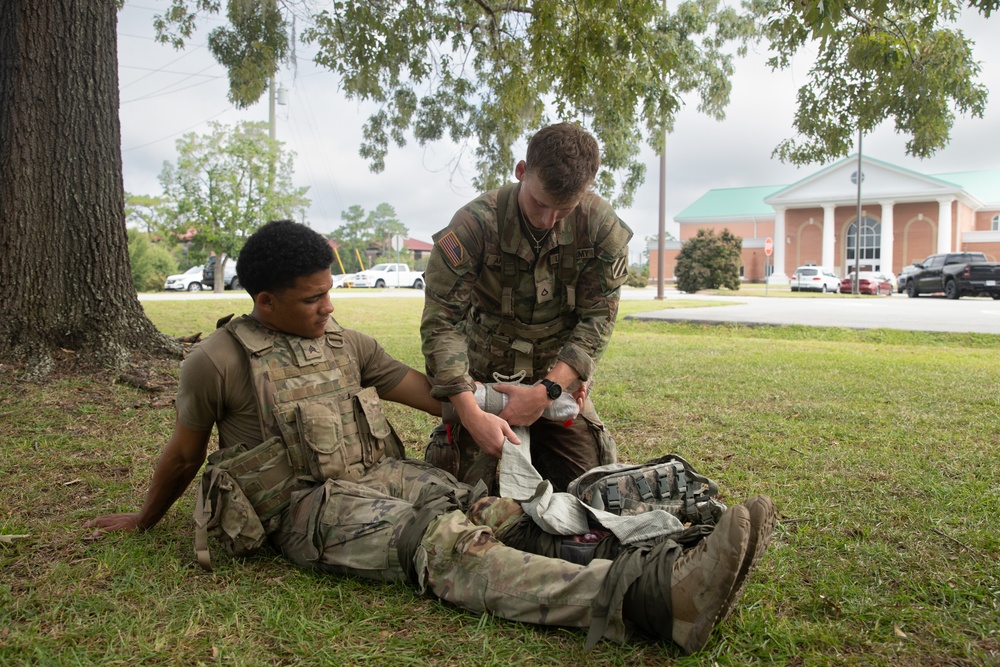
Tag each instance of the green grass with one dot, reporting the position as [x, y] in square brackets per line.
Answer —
[879, 448]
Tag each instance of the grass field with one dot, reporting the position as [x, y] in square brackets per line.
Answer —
[879, 447]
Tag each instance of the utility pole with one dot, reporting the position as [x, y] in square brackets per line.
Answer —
[270, 110]
[273, 96]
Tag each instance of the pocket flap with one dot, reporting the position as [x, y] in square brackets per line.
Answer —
[320, 426]
[371, 406]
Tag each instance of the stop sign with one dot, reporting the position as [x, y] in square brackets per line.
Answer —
[768, 246]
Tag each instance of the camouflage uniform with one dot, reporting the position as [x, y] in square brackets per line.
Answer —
[493, 306]
[388, 519]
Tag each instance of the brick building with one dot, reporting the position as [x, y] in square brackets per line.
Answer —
[905, 216]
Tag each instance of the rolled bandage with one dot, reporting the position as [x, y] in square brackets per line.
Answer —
[562, 409]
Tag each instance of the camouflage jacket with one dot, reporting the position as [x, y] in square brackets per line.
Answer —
[492, 306]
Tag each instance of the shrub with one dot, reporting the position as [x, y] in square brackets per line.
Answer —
[636, 278]
[708, 262]
[151, 262]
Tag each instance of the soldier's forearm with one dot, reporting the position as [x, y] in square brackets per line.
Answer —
[489, 400]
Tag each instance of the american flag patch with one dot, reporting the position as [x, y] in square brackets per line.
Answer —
[620, 267]
[452, 248]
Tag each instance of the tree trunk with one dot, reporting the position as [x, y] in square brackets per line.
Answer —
[65, 280]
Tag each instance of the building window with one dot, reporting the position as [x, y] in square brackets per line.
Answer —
[995, 225]
[870, 244]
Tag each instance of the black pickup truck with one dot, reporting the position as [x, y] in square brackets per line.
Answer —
[956, 274]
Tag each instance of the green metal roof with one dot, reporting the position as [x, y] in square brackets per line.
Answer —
[983, 185]
[721, 203]
[730, 202]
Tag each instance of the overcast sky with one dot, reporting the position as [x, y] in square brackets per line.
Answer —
[167, 93]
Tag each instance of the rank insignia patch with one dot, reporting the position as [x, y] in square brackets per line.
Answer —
[452, 248]
[620, 267]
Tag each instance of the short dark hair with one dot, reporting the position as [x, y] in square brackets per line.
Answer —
[565, 158]
[279, 253]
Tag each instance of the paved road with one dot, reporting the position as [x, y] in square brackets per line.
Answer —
[980, 315]
[969, 314]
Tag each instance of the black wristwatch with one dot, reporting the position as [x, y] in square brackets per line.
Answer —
[552, 389]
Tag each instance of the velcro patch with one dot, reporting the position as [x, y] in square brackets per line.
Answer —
[452, 248]
[620, 267]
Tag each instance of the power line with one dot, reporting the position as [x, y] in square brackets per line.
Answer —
[166, 89]
[168, 71]
[171, 136]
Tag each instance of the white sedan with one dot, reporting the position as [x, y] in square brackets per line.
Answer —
[189, 281]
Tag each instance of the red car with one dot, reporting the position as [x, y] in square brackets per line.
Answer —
[869, 282]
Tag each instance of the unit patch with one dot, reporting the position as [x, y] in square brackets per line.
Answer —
[620, 268]
[452, 248]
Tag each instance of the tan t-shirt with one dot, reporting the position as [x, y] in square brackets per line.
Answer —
[216, 387]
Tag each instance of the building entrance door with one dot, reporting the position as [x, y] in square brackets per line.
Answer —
[867, 249]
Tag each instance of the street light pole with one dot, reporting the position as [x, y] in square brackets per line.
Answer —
[857, 227]
[662, 227]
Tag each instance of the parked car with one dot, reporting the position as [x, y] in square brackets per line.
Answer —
[342, 280]
[869, 282]
[190, 280]
[812, 278]
[904, 277]
[957, 274]
[229, 278]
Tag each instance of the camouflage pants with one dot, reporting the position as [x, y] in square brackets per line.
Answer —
[353, 528]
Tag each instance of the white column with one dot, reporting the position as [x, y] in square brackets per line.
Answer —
[887, 236]
[944, 225]
[829, 238]
[780, 241]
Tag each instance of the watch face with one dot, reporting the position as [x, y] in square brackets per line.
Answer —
[553, 389]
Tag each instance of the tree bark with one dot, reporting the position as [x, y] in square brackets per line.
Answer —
[65, 280]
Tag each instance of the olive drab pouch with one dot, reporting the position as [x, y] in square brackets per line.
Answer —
[668, 483]
[321, 429]
[373, 427]
[241, 496]
[333, 438]
[442, 447]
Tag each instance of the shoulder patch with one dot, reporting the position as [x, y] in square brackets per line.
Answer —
[452, 248]
[619, 269]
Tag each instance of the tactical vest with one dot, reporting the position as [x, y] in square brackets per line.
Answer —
[317, 421]
[504, 344]
[309, 393]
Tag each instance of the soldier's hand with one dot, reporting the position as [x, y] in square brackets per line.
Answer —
[111, 523]
[525, 403]
[490, 431]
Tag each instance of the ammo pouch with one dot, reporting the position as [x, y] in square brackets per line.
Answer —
[668, 483]
[332, 438]
[241, 496]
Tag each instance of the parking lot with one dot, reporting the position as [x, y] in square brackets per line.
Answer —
[926, 313]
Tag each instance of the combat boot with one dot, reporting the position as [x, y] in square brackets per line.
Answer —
[703, 578]
[679, 596]
[763, 517]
